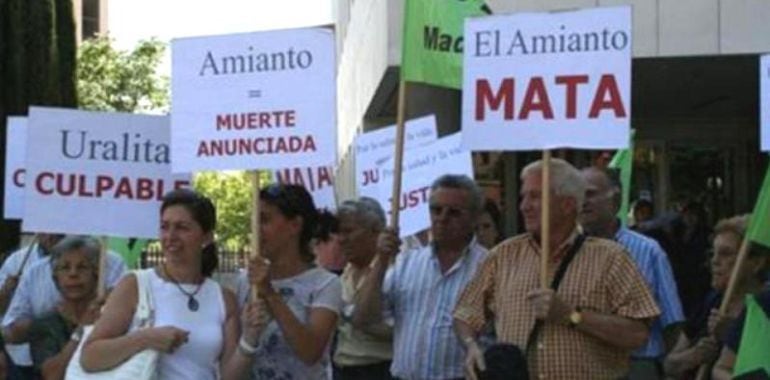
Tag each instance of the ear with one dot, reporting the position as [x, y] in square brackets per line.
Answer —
[296, 224]
[208, 238]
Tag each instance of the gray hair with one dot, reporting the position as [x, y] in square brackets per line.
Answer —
[566, 181]
[89, 245]
[367, 210]
[462, 182]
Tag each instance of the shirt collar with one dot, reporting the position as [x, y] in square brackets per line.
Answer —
[463, 255]
[558, 252]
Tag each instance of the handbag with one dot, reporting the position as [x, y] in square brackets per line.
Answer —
[140, 366]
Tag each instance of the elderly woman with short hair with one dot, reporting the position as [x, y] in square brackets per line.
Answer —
[54, 336]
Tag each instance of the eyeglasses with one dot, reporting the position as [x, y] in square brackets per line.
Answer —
[452, 212]
[79, 269]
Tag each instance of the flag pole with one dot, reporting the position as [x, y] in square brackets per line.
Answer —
[255, 245]
[399, 155]
[26, 256]
[101, 289]
[545, 221]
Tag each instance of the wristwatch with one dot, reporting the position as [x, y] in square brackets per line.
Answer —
[575, 317]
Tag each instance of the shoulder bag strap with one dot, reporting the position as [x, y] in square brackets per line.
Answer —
[558, 276]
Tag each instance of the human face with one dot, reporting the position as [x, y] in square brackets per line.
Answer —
[726, 247]
[277, 232]
[451, 219]
[75, 275]
[561, 211]
[598, 208]
[358, 242]
[486, 231]
[181, 237]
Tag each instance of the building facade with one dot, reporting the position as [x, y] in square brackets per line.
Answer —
[695, 98]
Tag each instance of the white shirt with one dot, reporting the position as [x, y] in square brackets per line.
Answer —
[199, 357]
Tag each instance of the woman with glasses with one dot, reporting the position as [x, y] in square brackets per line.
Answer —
[302, 299]
[54, 336]
[705, 331]
[196, 327]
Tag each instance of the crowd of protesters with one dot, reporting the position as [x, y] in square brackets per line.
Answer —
[458, 301]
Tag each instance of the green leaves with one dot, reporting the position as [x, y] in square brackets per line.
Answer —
[231, 194]
[121, 81]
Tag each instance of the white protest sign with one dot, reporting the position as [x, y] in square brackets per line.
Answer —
[764, 102]
[536, 81]
[318, 180]
[375, 147]
[254, 100]
[421, 167]
[15, 155]
[97, 173]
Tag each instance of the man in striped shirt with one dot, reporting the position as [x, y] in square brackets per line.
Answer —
[603, 196]
[421, 289]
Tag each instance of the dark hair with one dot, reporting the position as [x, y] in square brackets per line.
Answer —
[504, 362]
[295, 201]
[462, 182]
[490, 207]
[204, 213]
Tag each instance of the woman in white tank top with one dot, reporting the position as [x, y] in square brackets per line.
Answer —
[196, 324]
[303, 300]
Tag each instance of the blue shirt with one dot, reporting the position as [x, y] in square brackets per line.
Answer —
[653, 263]
[421, 300]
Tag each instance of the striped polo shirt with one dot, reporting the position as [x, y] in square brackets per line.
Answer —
[652, 262]
[421, 300]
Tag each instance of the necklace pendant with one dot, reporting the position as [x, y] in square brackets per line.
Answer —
[192, 304]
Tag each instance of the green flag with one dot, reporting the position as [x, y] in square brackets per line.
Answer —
[754, 351]
[129, 249]
[624, 160]
[759, 228]
[433, 40]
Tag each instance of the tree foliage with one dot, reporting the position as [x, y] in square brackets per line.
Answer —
[37, 61]
[231, 194]
[124, 81]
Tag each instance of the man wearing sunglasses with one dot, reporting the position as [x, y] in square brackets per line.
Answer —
[422, 286]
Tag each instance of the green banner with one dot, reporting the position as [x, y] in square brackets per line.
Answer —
[754, 351]
[624, 160]
[129, 249]
[759, 228]
[433, 40]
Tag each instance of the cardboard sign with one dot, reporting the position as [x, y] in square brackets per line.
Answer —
[318, 180]
[373, 148]
[15, 154]
[254, 100]
[548, 80]
[421, 167]
[97, 173]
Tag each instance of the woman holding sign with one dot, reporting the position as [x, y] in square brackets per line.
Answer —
[196, 325]
[704, 333]
[303, 300]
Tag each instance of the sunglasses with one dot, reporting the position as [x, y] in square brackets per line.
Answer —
[452, 212]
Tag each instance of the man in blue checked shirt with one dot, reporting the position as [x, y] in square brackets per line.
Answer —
[420, 290]
[598, 218]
